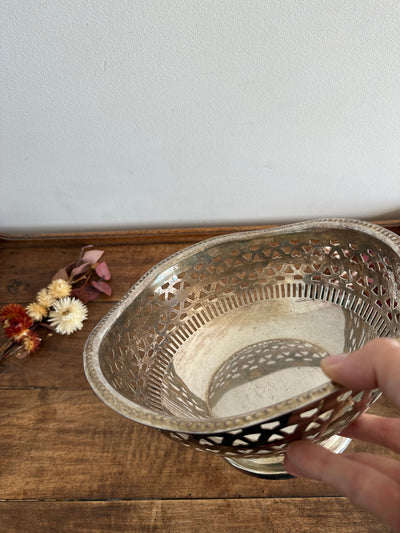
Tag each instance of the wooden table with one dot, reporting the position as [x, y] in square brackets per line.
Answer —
[69, 463]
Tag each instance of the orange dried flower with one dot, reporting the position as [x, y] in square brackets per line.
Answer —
[16, 329]
[15, 320]
[31, 342]
[11, 313]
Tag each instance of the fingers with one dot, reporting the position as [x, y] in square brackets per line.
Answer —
[377, 429]
[370, 481]
[386, 465]
[361, 483]
[377, 364]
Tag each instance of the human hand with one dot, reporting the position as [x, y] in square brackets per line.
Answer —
[368, 480]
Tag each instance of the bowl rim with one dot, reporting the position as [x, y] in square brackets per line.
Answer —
[172, 423]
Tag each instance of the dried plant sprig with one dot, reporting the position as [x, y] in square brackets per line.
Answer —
[88, 276]
[61, 306]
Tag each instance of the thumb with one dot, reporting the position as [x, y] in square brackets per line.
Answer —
[377, 364]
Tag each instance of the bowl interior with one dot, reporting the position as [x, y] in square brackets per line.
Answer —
[240, 322]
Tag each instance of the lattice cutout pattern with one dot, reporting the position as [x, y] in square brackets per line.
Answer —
[320, 421]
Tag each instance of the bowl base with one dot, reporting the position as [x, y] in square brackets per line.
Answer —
[273, 467]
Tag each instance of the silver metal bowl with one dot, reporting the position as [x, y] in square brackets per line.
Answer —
[219, 346]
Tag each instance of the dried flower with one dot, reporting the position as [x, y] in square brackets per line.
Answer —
[68, 315]
[12, 313]
[16, 329]
[45, 299]
[59, 288]
[36, 311]
[31, 342]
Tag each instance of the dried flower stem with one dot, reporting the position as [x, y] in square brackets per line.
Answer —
[5, 350]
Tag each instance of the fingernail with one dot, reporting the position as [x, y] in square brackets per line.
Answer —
[333, 360]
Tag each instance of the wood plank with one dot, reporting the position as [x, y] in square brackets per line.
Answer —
[331, 515]
[66, 444]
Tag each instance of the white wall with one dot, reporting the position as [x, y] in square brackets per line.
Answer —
[143, 113]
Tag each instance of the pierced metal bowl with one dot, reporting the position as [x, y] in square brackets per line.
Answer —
[219, 345]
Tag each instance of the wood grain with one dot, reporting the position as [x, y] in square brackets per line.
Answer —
[283, 515]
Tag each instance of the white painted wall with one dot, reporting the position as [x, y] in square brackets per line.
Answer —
[143, 113]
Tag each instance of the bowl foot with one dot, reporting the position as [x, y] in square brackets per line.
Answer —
[272, 467]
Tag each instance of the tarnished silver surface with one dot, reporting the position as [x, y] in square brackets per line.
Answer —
[219, 345]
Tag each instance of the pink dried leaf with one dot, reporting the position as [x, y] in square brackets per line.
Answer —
[82, 252]
[102, 286]
[81, 269]
[61, 274]
[70, 266]
[85, 294]
[102, 271]
[92, 256]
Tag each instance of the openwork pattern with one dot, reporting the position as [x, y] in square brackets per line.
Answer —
[318, 422]
[261, 359]
[351, 267]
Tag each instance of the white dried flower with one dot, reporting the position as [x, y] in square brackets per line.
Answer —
[36, 311]
[45, 299]
[59, 288]
[68, 315]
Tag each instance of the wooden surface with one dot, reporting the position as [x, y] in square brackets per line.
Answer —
[69, 463]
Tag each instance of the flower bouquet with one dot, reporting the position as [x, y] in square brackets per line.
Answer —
[61, 307]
